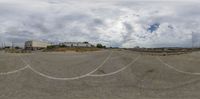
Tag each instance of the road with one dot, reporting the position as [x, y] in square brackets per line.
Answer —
[107, 74]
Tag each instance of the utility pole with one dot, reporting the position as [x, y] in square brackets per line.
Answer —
[2, 45]
[12, 45]
[192, 40]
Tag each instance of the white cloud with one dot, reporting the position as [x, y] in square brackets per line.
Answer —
[115, 23]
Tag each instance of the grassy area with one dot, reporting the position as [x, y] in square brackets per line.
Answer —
[16, 51]
[72, 49]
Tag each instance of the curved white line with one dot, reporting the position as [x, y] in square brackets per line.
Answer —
[120, 70]
[175, 69]
[14, 71]
[73, 78]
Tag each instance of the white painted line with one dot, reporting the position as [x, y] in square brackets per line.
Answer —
[73, 78]
[14, 71]
[175, 69]
[120, 70]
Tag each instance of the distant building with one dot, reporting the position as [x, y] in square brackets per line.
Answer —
[76, 44]
[36, 45]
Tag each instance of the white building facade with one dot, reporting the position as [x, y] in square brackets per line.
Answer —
[36, 45]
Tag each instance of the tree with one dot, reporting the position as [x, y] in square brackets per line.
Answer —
[100, 46]
[86, 42]
[17, 47]
[62, 46]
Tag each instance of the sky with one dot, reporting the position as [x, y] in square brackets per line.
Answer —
[117, 23]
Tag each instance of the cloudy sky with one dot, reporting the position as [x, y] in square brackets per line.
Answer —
[122, 23]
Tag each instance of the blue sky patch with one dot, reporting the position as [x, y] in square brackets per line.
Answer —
[153, 27]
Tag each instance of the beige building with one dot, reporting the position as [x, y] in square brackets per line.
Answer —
[36, 45]
[76, 44]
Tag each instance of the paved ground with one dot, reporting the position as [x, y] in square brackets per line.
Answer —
[99, 75]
